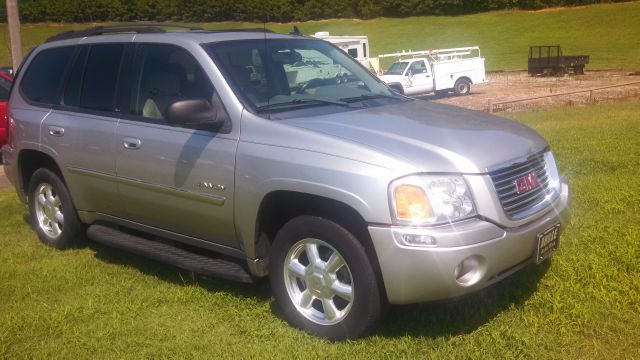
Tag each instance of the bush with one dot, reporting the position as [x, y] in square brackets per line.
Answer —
[259, 10]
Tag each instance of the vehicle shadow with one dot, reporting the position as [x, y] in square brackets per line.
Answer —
[463, 315]
[257, 291]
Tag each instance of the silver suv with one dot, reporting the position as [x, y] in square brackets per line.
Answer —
[243, 154]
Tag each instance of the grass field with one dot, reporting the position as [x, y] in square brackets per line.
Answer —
[584, 303]
[609, 33]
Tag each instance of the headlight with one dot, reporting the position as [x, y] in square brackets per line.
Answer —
[430, 199]
[552, 171]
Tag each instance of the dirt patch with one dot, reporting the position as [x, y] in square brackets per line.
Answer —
[514, 85]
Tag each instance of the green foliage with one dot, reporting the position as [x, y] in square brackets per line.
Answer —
[260, 10]
[503, 36]
[583, 304]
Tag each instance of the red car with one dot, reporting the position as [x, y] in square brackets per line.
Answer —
[5, 86]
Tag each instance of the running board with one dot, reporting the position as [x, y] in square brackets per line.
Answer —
[168, 254]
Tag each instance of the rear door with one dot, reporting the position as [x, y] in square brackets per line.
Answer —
[79, 130]
[171, 177]
[420, 80]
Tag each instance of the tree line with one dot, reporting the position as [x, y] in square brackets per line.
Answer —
[260, 10]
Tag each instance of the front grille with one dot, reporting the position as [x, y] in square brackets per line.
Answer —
[517, 205]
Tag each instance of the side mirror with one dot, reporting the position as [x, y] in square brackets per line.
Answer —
[192, 112]
[409, 74]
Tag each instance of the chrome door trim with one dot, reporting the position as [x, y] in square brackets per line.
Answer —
[214, 199]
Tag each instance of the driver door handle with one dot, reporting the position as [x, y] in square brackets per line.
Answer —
[131, 143]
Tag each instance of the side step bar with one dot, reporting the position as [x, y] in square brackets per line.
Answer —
[168, 254]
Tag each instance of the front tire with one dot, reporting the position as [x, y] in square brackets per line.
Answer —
[322, 279]
[52, 213]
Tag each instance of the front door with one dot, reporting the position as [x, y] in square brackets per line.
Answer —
[419, 78]
[170, 177]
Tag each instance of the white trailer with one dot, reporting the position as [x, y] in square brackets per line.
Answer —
[439, 71]
[356, 46]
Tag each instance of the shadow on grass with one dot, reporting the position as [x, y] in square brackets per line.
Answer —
[464, 315]
[259, 291]
[447, 318]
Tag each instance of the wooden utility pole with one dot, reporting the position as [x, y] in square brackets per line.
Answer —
[13, 20]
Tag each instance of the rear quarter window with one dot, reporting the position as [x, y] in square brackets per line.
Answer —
[43, 77]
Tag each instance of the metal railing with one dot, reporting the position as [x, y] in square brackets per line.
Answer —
[503, 105]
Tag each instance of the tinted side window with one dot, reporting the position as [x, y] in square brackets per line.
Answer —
[165, 74]
[5, 86]
[101, 77]
[72, 90]
[42, 80]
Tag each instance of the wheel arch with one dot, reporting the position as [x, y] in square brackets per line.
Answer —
[29, 161]
[280, 206]
[466, 78]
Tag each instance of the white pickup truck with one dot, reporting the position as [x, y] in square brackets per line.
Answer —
[435, 71]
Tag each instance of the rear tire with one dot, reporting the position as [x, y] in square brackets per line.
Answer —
[52, 213]
[462, 87]
[322, 279]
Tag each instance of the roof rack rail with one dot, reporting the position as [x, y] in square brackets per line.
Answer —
[149, 28]
[235, 30]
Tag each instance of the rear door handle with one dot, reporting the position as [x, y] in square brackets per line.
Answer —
[131, 143]
[56, 131]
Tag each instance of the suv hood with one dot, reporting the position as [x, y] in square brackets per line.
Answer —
[432, 137]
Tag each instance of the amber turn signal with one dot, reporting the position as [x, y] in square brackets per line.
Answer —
[412, 203]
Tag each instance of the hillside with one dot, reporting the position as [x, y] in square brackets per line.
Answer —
[610, 33]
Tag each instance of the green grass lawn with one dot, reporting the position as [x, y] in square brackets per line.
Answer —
[610, 33]
[584, 303]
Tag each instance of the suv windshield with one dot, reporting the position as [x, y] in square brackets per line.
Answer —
[397, 68]
[271, 75]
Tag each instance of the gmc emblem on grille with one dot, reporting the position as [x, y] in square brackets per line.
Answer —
[526, 183]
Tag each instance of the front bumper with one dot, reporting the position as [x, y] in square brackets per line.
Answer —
[417, 274]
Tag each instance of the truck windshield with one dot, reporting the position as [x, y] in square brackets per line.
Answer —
[397, 68]
[272, 75]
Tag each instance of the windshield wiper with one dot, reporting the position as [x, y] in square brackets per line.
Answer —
[302, 102]
[369, 97]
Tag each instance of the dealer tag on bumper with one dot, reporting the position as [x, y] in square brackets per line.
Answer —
[548, 242]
